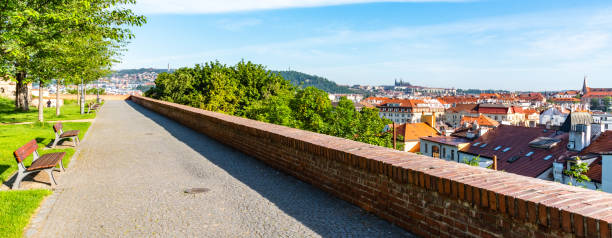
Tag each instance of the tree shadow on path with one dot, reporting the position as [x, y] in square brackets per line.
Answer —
[325, 214]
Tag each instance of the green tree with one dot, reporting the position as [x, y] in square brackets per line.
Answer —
[370, 128]
[594, 103]
[34, 34]
[474, 161]
[344, 119]
[606, 103]
[578, 171]
[311, 108]
[252, 91]
[274, 109]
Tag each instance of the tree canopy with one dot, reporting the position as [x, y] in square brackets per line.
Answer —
[250, 90]
[41, 40]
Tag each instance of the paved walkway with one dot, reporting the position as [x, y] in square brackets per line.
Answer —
[130, 176]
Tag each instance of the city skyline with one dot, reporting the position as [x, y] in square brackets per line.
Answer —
[543, 45]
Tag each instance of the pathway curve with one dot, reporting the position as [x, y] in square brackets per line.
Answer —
[130, 176]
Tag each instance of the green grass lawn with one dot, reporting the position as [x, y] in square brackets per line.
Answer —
[16, 209]
[70, 111]
[14, 136]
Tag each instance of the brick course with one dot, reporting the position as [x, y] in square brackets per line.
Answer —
[427, 196]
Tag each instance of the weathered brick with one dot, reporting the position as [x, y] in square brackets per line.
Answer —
[405, 188]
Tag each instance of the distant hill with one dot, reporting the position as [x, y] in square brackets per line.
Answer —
[297, 78]
[141, 70]
[306, 80]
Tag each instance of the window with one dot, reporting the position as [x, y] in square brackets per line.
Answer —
[547, 157]
[514, 158]
[453, 154]
[477, 143]
[483, 145]
[529, 154]
[425, 148]
[506, 149]
[498, 147]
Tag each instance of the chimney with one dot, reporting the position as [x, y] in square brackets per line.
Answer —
[495, 162]
[429, 120]
[482, 131]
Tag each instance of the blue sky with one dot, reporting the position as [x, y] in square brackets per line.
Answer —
[516, 45]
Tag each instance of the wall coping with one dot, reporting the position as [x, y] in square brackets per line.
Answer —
[527, 199]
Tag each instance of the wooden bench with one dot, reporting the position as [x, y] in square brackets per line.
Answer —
[93, 107]
[60, 134]
[46, 162]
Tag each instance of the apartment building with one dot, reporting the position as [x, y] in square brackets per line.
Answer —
[409, 110]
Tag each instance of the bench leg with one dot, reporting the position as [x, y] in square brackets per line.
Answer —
[20, 177]
[76, 141]
[62, 166]
[50, 172]
[55, 142]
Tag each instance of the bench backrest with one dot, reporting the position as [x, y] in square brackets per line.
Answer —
[26, 150]
[57, 127]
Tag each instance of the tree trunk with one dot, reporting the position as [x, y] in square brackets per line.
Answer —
[57, 106]
[98, 92]
[22, 97]
[82, 97]
[79, 94]
[40, 101]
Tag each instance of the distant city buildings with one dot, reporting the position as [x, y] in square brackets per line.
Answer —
[532, 134]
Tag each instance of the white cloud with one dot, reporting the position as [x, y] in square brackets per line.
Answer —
[511, 52]
[224, 6]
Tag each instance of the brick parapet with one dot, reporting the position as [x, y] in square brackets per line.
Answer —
[427, 196]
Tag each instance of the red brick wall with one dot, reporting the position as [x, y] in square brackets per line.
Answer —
[429, 197]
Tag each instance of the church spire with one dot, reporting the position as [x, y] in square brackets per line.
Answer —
[585, 89]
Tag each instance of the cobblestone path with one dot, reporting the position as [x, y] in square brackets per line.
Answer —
[130, 176]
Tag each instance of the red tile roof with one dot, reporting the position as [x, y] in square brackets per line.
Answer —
[603, 143]
[517, 109]
[517, 139]
[375, 100]
[530, 111]
[481, 120]
[493, 110]
[459, 99]
[441, 101]
[414, 131]
[489, 95]
[463, 108]
[566, 100]
[531, 97]
[598, 94]
[402, 102]
[594, 172]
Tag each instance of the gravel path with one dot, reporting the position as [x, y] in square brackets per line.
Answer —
[130, 177]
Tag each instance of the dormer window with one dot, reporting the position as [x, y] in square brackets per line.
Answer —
[498, 147]
[547, 157]
[529, 154]
[506, 149]
[483, 145]
[477, 143]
